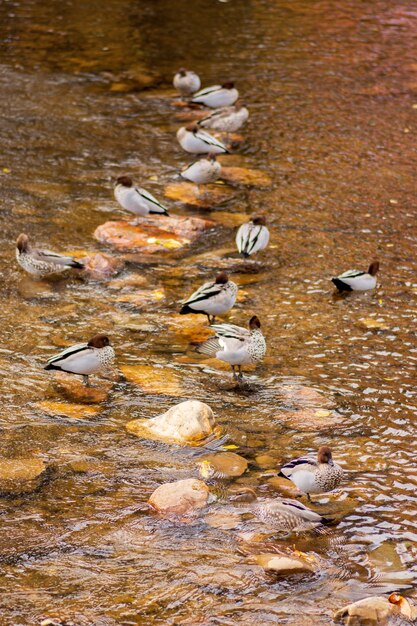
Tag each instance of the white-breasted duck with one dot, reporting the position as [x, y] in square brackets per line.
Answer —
[253, 236]
[84, 359]
[236, 345]
[354, 280]
[217, 96]
[213, 298]
[226, 119]
[205, 170]
[314, 475]
[186, 82]
[137, 200]
[196, 141]
[42, 263]
[288, 515]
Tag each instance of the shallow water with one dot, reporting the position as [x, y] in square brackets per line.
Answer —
[332, 90]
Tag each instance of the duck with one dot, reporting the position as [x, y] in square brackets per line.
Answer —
[84, 359]
[314, 476]
[196, 141]
[217, 96]
[355, 280]
[186, 82]
[137, 200]
[288, 515]
[42, 263]
[212, 298]
[236, 345]
[203, 171]
[253, 236]
[226, 119]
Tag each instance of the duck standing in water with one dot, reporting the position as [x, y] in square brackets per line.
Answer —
[42, 263]
[213, 298]
[217, 96]
[84, 359]
[196, 141]
[226, 119]
[354, 280]
[252, 237]
[314, 476]
[186, 82]
[203, 171]
[288, 515]
[236, 345]
[135, 199]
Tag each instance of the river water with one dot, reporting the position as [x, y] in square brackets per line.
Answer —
[332, 91]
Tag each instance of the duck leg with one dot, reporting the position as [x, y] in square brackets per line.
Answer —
[86, 380]
[235, 377]
[240, 377]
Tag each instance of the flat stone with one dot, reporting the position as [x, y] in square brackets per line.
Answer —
[75, 391]
[180, 497]
[266, 461]
[245, 176]
[210, 196]
[188, 423]
[306, 397]
[283, 564]
[154, 380]
[102, 266]
[20, 475]
[223, 465]
[75, 411]
[311, 419]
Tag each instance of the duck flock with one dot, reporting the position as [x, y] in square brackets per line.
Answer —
[233, 344]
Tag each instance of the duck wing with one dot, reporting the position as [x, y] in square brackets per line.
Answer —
[209, 140]
[205, 292]
[65, 354]
[302, 463]
[251, 237]
[57, 259]
[150, 198]
[206, 91]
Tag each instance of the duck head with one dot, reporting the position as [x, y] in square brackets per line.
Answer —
[259, 220]
[125, 181]
[373, 268]
[99, 341]
[222, 279]
[324, 455]
[192, 128]
[228, 85]
[211, 156]
[182, 71]
[22, 243]
[254, 323]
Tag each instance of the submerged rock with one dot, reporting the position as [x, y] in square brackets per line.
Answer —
[152, 235]
[75, 391]
[20, 475]
[311, 419]
[189, 422]
[245, 176]
[101, 266]
[210, 196]
[222, 465]
[375, 610]
[283, 564]
[180, 497]
[154, 380]
[75, 411]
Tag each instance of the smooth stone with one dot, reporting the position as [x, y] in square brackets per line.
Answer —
[311, 419]
[20, 475]
[189, 422]
[375, 610]
[225, 464]
[75, 391]
[210, 196]
[245, 176]
[102, 266]
[152, 234]
[283, 564]
[306, 397]
[154, 380]
[140, 298]
[225, 521]
[266, 461]
[75, 411]
[180, 497]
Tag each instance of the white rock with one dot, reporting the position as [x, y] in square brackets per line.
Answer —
[180, 497]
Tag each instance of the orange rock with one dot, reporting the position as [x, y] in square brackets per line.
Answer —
[211, 196]
[101, 265]
[74, 389]
[20, 475]
[75, 411]
[154, 380]
[180, 497]
[141, 298]
[310, 419]
[245, 176]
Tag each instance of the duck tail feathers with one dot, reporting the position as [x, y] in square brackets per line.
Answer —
[51, 366]
[281, 475]
[187, 309]
[161, 211]
[327, 520]
[77, 265]
[209, 347]
[341, 285]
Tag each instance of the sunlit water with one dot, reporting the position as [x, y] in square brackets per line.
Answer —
[332, 90]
